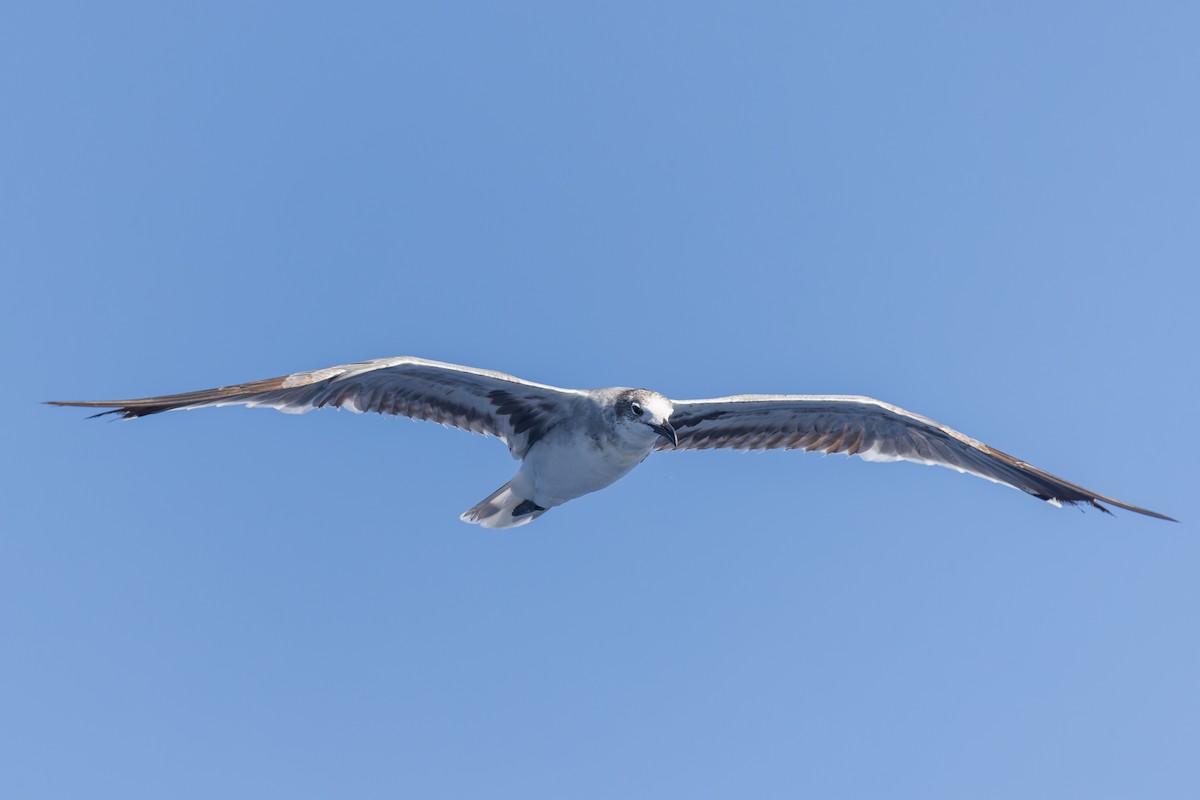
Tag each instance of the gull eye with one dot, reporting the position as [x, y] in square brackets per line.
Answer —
[636, 409]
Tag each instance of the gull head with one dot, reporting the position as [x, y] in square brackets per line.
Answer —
[643, 416]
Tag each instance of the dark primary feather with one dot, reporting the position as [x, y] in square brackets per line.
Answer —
[868, 428]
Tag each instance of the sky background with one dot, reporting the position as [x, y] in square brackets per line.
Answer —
[983, 212]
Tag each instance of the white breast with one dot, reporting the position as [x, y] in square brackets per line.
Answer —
[561, 468]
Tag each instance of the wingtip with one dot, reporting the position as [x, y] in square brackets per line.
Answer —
[1148, 513]
[1135, 509]
[88, 404]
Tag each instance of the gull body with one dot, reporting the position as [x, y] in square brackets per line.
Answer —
[572, 442]
[588, 450]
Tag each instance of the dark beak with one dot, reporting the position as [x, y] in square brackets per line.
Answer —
[666, 431]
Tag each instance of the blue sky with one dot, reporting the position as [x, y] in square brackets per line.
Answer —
[985, 213]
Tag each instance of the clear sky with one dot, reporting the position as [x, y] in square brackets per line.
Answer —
[983, 212]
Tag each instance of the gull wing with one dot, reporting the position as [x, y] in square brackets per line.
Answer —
[868, 428]
[518, 412]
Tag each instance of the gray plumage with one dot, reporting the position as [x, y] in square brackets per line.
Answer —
[575, 441]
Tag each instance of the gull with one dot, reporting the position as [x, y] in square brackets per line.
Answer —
[572, 442]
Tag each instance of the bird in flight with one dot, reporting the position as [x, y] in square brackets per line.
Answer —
[572, 442]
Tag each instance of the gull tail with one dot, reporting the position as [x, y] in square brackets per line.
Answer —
[503, 509]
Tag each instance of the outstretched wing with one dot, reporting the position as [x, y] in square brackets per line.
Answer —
[868, 428]
[516, 411]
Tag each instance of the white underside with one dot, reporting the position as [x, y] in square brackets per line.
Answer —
[558, 470]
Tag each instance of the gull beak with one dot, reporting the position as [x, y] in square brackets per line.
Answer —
[666, 431]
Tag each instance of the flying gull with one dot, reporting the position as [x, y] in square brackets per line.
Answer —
[571, 442]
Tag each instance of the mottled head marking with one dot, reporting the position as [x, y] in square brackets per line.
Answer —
[641, 416]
